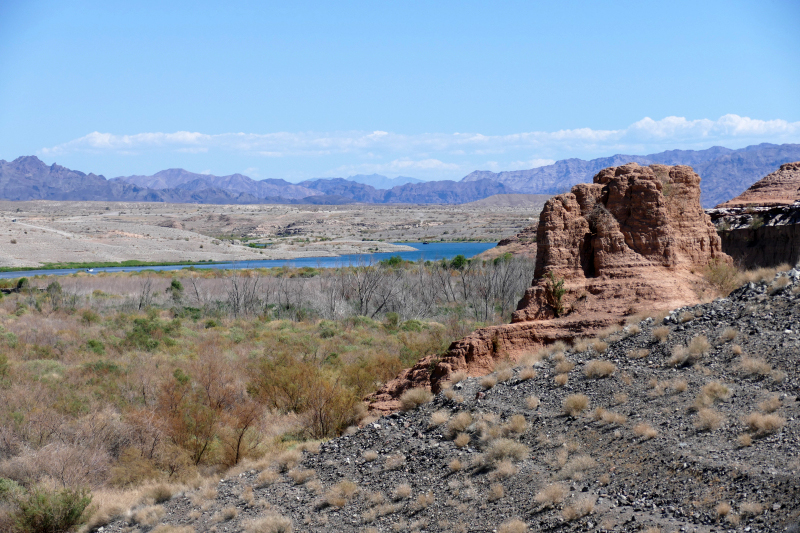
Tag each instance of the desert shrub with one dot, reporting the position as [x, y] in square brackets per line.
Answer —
[487, 382]
[574, 404]
[439, 417]
[42, 510]
[341, 493]
[501, 449]
[461, 440]
[574, 468]
[609, 417]
[764, 424]
[751, 508]
[402, 492]
[413, 398]
[394, 462]
[551, 495]
[581, 507]
[770, 405]
[564, 367]
[716, 391]
[459, 422]
[512, 526]
[699, 346]
[532, 402]
[561, 379]
[728, 335]
[301, 475]
[754, 366]
[599, 369]
[272, 523]
[722, 275]
[708, 420]
[661, 333]
[554, 292]
[646, 431]
[455, 465]
[599, 346]
[527, 373]
[516, 425]
[457, 377]
[504, 373]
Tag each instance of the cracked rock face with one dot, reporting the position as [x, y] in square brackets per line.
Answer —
[780, 188]
[636, 239]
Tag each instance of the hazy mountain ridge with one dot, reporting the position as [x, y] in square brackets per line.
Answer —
[725, 172]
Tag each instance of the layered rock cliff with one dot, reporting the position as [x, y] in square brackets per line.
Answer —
[761, 226]
[636, 239]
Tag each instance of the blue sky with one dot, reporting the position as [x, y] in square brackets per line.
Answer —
[433, 90]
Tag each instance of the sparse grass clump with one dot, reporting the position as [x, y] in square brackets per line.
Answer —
[764, 424]
[609, 417]
[661, 333]
[369, 456]
[501, 449]
[461, 440]
[575, 467]
[487, 382]
[341, 493]
[394, 462]
[645, 430]
[513, 526]
[582, 506]
[754, 366]
[575, 404]
[564, 366]
[413, 398]
[402, 492]
[599, 346]
[770, 405]
[551, 495]
[716, 391]
[708, 420]
[532, 402]
[459, 422]
[516, 425]
[504, 372]
[527, 373]
[439, 417]
[272, 523]
[561, 379]
[597, 368]
[728, 335]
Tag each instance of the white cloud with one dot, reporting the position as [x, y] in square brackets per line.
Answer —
[383, 151]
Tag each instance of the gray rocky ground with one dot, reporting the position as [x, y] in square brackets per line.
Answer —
[683, 435]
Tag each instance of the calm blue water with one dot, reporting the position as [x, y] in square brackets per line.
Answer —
[427, 252]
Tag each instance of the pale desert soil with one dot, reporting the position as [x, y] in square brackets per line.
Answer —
[47, 232]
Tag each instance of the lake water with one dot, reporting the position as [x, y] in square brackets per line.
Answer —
[427, 252]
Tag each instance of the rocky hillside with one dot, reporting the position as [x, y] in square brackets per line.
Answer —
[636, 239]
[725, 172]
[690, 423]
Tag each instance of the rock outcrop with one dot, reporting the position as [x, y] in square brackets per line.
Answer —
[780, 188]
[761, 226]
[634, 240]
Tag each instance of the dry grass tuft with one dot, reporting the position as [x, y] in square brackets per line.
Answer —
[686, 316]
[341, 493]
[455, 465]
[413, 398]
[599, 346]
[737, 350]
[370, 455]
[457, 377]
[561, 379]
[532, 402]
[487, 382]
[646, 431]
[453, 396]
[754, 366]
[597, 368]
[770, 405]
[551, 495]
[513, 526]
[620, 398]
[461, 440]
[661, 333]
[272, 523]
[502, 449]
[503, 469]
[516, 425]
[439, 417]
[582, 506]
[301, 475]
[574, 404]
[708, 420]
[744, 440]
[527, 373]
[164, 528]
[504, 372]
[496, 492]
[575, 467]
[580, 345]
[751, 509]
[609, 417]
[266, 478]
[394, 462]
[147, 516]
[716, 391]
[764, 424]
[289, 459]
[639, 353]
[699, 346]
[459, 423]
[402, 492]
[722, 509]
[728, 335]
[564, 367]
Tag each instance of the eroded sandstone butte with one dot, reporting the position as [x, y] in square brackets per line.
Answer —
[636, 239]
[780, 188]
[761, 226]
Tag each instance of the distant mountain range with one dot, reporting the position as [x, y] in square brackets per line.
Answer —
[725, 174]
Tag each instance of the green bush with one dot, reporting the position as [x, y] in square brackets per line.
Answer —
[96, 346]
[51, 511]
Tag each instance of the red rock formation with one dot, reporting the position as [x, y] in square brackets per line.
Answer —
[634, 240]
[782, 187]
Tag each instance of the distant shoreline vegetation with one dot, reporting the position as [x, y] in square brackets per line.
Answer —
[110, 264]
